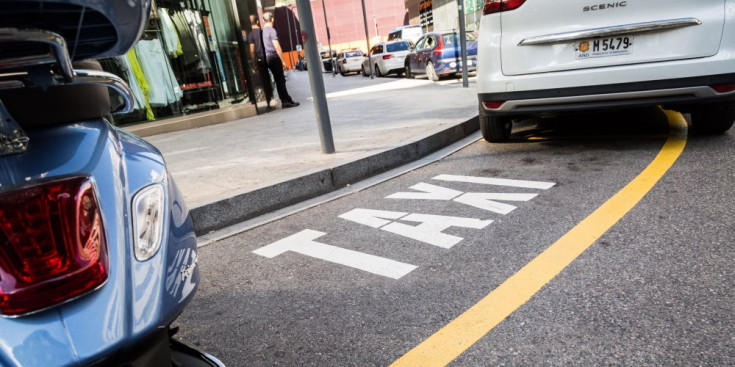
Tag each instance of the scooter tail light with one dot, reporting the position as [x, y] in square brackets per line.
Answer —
[52, 245]
[497, 6]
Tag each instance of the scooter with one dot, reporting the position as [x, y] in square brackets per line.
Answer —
[97, 250]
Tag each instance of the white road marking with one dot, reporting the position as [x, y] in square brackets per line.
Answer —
[428, 192]
[497, 181]
[484, 200]
[370, 217]
[429, 231]
[303, 243]
[431, 227]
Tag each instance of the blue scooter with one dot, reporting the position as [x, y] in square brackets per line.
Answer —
[97, 251]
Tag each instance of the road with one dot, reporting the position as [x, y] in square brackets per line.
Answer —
[561, 247]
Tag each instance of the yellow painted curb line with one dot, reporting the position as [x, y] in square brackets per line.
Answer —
[464, 331]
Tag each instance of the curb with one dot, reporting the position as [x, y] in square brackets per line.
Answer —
[226, 212]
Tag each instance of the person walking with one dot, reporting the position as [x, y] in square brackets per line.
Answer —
[275, 61]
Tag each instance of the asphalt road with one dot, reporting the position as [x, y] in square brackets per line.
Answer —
[654, 289]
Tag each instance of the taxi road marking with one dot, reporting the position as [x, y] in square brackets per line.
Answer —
[464, 331]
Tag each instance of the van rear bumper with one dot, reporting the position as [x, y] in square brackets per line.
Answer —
[680, 91]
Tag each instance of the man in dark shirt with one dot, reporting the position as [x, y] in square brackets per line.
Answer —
[274, 60]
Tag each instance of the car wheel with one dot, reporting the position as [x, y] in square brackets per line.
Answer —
[342, 72]
[495, 129]
[713, 118]
[408, 71]
[364, 73]
[431, 72]
[377, 71]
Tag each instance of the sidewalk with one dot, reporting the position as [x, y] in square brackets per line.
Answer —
[235, 171]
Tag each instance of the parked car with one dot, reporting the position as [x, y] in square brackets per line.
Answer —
[410, 33]
[349, 61]
[553, 57]
[328, 62]
[386, 57]
[438, 54]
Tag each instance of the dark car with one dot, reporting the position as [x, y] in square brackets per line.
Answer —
[438, 54]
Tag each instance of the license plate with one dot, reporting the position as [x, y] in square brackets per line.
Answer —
[603, 47]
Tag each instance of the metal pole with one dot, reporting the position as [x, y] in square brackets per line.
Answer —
[315, 76]
[463, 43]
[367, 39]
[329, 39]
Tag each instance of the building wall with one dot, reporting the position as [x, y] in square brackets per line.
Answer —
[445, 13]
[346, 25]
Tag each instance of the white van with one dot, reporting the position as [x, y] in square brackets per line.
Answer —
[410, 33]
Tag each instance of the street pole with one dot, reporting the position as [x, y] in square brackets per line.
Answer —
[367, 39]
[463, 43]
[315, 76]
[329, 39]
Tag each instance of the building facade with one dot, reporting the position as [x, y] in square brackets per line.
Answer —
[443, 14]
[346, 22]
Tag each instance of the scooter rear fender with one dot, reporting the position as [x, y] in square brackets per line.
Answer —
[139, 299]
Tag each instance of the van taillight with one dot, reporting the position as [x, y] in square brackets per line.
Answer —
[496, 6]
[387, 57]
[52, 245]
[724, 88]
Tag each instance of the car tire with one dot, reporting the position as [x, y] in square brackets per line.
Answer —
[495, 129]
[377, 72]
[713, 118]
[409, 75]
[431, 72]
[342, 72]
[364, 73]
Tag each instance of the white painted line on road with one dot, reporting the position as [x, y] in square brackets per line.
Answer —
[303, 243]
[370, 217]
[497, 181]
[428, 192]
[430, 230]
[484, 200]
[431, 227]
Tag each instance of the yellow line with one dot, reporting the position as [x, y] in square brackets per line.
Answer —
[464, 331]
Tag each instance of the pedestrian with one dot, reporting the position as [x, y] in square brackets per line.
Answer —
[275, 61]
[259, 60]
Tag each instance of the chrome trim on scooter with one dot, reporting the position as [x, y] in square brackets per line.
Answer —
[610, 31]
[58, 53]
[109, 80]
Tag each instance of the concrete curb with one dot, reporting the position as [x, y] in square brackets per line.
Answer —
[224, 213]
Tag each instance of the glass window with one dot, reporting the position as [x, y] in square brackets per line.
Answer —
[398, 46]
[186, 61]
[353, 54]
[452, 39]
[420, 43]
